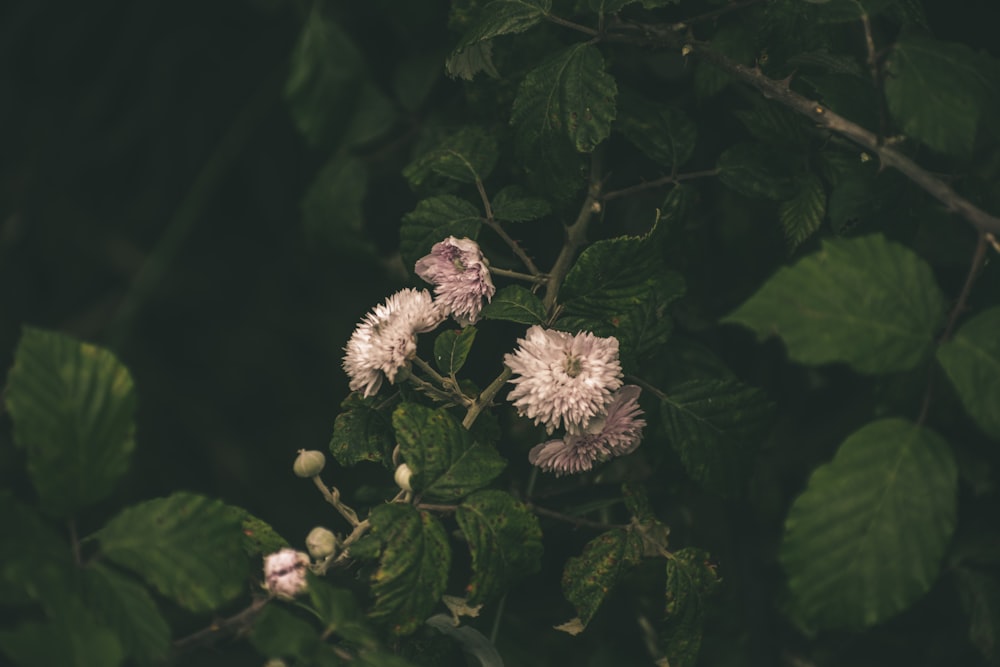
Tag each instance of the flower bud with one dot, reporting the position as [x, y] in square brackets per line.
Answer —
[309, 463]
[321, 543]
[285, 573]
[402, 477]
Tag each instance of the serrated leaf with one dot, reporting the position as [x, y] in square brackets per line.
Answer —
[972, 361]
[277, 633]
[452, 347]
[73, 407]
[332, 206]
[833, 63]
[504, 538]
[470, 61]
[715, 427]
[259, 538]
[756, 170]
[937, 91]
[772, 123]
[590, 577]
[569, 94]
[803, 214]
[691, 581]
[128, 609]
[513, 204]
[413, 571]
[866, 538]
[71, 637]
[187, 546]
[868, 302]
[362, 432]
[504, 17]
[35, 563]
[338, 610]
[665, 134]
[433, 220]
[515, 304]
[446, 463]
[464, 156]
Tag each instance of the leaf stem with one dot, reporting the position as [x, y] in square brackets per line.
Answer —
[537, 279]
[575, 520]
[659, 182]
[218, 629]
[485, 397]
[552, 18]
[333, 497]
[495, 226]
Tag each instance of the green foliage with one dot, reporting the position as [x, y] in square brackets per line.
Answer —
[515, 304]
[435, 219]
[665, 134]
[259, 538]
[590, 577]
[464, 156]
[362, 432]
[277, 633]
[756, 170]
[691, 581]
[715, 427]
[186, 546]
[802, 215]
[504, 538]
[71, 636]
[866, 538]
[129, 610]
[339, 613]
[446, 463]
[332, 207]
[413, 571]
[972, 361]
[451, 348]
[72, 404]
[504, 17]
[868, 302]
[513, 204]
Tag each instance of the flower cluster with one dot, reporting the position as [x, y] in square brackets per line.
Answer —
[285, 573]
[575, 382]
[386, 339]
[460, 275]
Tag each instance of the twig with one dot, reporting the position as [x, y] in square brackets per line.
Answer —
[575, 520]
[495, 226]
[648, 387]
[540, 278]
[571, 25]
[722, 11]
[217, 629]
[659, 182]
[333, 497]
[449, 385]
[485, 397]
[665, 36]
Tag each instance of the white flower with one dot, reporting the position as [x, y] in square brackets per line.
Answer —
[386, 339]
[461, 279]
[563, 379]
[285, 573]
[616, 434]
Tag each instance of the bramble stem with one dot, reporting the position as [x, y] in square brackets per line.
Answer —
[333, 497]
[502, 233]
[659, 182]
[537, 279]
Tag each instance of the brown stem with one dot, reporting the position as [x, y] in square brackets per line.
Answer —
[495, 226]
[219, 629]
[485, 397]
[540, 278]
[659, 182]
[571, 25]
[665, 36]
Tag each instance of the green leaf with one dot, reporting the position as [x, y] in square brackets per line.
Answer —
[332, 206]
[445, 461]
[972, 361]
[504, 17]
[715, 427]
[277, 633]
[505, 540]
[663, 133]
[803, 214]
[413, 572]
[452, 347]
[844, 11]
[259, 538]
[186, 546]
[73, 408]
[35, 563]
[772, 123]
[464, 156]
[362, 432]
[434, 220]
[589, 577]
[756, 170]
[473, 642]
[515, 304]
[470, 61]
[339, 612]
[569, 94]
[513, 204]
[866, 538]
[735, 40]
[868, 302]
[862, 197]
[980, 595]
[691, 581]
[129, 610]
[937, 92]
[72, 637]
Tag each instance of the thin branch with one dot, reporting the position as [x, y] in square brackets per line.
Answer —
[648, 387]
[449, 385]
[218, 629]
[485, 397]
[665, 36]
[540, 278]
[659, 182]
[437, 508]
[575, 520]
[571, 25]
[333, 497]
[495, 226]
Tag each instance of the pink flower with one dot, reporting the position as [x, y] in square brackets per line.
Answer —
[562, 378]
[460, 275]
[285, 573]
[386, 339]
[616, 434]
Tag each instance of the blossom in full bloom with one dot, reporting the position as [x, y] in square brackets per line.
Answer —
[386, 339]
[285, 573]
[616, 434]
[563, 379]
[460, 275]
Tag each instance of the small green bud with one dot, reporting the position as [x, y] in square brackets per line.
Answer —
[402, 476]
[321, 543]
[309, 463]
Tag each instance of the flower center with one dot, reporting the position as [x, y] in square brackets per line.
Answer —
[573, 366]
[457, 263]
